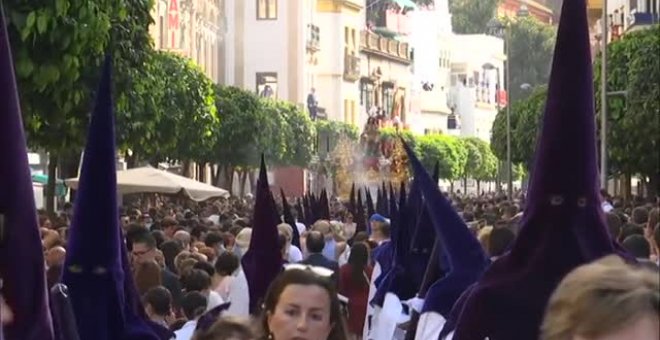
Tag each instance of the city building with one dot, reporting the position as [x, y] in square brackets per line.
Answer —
[273, 47]
[266, 51]
[630, 15]
[191, 28]
[385, 62]
[477, 75]
[431, 39]
[623, 16]
[338, 70]
[511, 8]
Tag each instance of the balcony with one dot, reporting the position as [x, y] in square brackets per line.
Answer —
[313, 38]
[385, 47]
[351, 67]
[637, 20]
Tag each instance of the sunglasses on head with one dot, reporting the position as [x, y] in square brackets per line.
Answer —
[320, 271]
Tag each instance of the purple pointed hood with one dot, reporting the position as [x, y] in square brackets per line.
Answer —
[210, 317]
[562, 225]
[300, 210]
[465, 257]
[263, 261]
[96, 259]
[370, 202]
[351, 200]
[24, 280]
[309, 213]
[422, 235]
[324, 206]
[288, 218]
[360, 218]
[398, 280]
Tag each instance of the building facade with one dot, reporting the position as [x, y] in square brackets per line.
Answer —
[511, 8]
[477, 75]
[386, 81]
[265, 49]
[272, 47]
[630, 15]
[338, 69]
[431, 40]
[193, 29]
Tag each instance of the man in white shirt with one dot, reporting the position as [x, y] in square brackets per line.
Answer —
[193, 305]
[200, 281]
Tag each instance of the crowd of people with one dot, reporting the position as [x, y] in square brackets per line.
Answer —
[185, 255]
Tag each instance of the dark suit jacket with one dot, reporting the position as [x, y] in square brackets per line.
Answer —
[318, 260]
[171, 282]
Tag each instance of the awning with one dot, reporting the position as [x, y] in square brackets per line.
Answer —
[60, 188]
[150, 180]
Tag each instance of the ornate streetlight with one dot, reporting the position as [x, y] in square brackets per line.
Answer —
[502, 30]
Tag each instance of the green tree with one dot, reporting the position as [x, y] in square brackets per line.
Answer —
[633, 66]
[472, 16]
[449, 151]
[138, 84]
[188, 102]
[54, 58]
[525, 123]
[387, 134]
[251, 126]
[482, 163]
[328, 133]
[474, 159]
[532, 45]
[300, 136]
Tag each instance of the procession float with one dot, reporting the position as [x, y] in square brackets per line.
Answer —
[376, 157]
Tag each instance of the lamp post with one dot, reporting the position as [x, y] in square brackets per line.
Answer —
[502, 30]
[498, 86]
[603, 100]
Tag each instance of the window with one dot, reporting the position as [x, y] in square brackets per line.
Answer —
[266, 9]
[366, 94]
[267, 84]
[388, 98]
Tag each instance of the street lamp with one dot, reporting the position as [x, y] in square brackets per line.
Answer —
[490, 67]
[502, 30]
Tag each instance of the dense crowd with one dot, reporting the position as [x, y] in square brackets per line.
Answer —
[185, 255]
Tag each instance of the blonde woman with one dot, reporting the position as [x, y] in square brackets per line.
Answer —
[292, 253]
[605, 300]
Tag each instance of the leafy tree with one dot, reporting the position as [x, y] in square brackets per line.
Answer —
[328, 133]
[54, 58]
[238, 137]
[482, 163]
[389, 133]
[251, 125]
[525, 121]
[532, 44]
[474, 160]
[300, 139]
[138, 84]
[278, 134]
[449, 151]
[633, 65]
[472, 16]
[189, 103]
